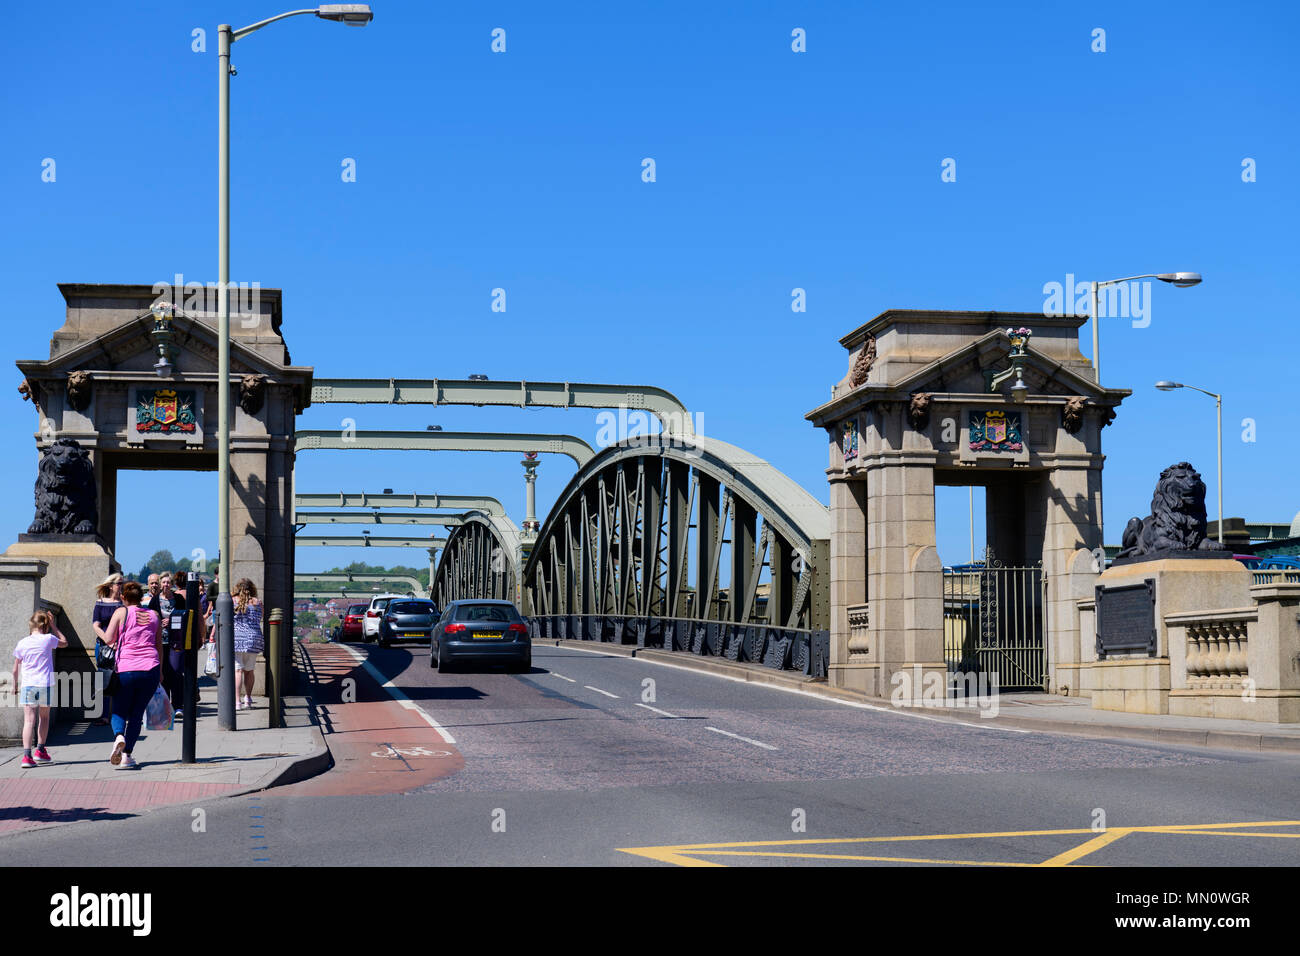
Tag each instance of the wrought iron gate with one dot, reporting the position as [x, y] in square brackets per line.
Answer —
[994, 623]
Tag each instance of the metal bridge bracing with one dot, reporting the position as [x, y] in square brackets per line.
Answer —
[481, 559]
[347, 577]
[664, 405]
[649, 529]
[371, 500]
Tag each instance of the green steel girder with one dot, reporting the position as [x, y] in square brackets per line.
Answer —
[346, 577]
[365, 541]
[365, 499]
[575, 448]
[378, 517]
[664, 405]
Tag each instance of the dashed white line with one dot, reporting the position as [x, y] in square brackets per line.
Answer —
[599, 691]
[562, 677]
[397, 695]
[658, 711]
[727, 733]
[900, 711]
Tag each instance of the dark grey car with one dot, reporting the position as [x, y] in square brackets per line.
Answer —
[406, 619]
[481, 631]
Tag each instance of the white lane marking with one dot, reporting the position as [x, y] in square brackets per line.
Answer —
[599, 691]
[901, 712]
[727, 733]
[658, 711]
[397, 695]
[562, 677]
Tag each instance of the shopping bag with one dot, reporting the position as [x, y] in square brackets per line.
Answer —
[158, 715]
[212, 668]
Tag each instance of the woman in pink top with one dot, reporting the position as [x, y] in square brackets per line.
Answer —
[134, 633]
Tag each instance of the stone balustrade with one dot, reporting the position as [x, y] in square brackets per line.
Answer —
[1216, 647]
[859, 622]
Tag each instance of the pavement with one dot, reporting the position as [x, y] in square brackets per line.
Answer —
[1045, 713]
[82, 785]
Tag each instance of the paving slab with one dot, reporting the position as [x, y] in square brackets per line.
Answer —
[81, 784]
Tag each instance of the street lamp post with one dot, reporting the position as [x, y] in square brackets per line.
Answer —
[1218, 411]
[353, 14]
[1180, 279]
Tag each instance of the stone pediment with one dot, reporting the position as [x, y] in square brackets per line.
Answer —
[961, 372]
[128, 351]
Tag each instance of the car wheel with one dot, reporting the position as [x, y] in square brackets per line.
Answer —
[444, 667]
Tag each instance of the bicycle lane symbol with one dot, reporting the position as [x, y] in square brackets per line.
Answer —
[399, 752]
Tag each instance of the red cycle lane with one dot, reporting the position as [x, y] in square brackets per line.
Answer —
[378, 744]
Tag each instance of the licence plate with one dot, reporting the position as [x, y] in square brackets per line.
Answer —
[413, 634]
[485, 635]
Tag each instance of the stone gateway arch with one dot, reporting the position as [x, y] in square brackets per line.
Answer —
[130, 388]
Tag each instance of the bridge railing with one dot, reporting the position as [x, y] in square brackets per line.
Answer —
[781, 648]
[1276, 576]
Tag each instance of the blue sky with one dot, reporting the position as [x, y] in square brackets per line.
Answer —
[775, 170]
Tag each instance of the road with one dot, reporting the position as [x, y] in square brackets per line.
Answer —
[599, 759]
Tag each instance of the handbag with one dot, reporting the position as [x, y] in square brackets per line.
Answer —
[105, 656]
[114, 684]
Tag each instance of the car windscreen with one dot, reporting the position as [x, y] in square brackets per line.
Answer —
[356, 609]
[410, 607]
[498, 613]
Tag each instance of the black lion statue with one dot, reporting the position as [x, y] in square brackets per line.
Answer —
[1177, 519]
[65, 491]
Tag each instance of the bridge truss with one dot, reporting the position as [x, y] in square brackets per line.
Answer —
[639, 543]
[481, 559]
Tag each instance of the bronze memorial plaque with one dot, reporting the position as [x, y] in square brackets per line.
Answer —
[1126, 619]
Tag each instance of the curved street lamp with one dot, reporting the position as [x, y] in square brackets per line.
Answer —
[1181, 280]
[1218, 407]
[352, 14]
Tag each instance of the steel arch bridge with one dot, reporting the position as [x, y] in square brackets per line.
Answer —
[481, 559]
[638, 543]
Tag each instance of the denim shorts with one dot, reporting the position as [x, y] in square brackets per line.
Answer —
[36, 696]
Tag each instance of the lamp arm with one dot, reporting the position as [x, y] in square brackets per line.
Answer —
[245, 31]
[1149, 275]
[1203, 391]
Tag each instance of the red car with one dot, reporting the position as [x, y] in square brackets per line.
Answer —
[352, 622]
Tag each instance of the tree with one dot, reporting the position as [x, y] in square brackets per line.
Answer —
[160, 562]
[307, 619]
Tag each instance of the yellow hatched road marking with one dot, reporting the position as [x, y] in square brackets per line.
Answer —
[846, 856]
[1083, 849]
[686, 854]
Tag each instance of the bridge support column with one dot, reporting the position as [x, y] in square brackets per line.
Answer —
[904, 579]
[851, 664]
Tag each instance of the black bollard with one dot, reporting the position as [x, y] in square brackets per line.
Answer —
[224, 614]
[193, 638]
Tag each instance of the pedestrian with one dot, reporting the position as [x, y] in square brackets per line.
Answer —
[248, 641]
[133, 633]
[34, 664]
[109, 599]
[168, 603]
